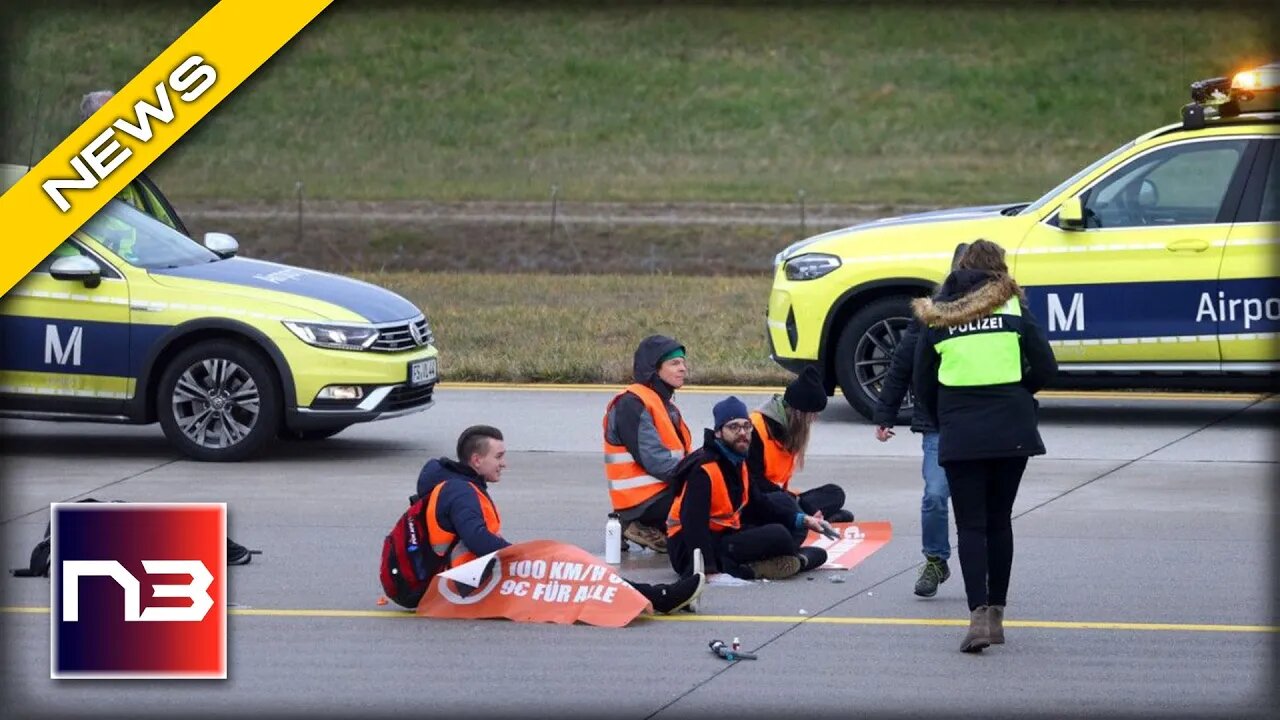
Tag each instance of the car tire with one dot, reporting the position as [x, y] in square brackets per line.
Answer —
[865, 350]
[311, 434]
[219, 401]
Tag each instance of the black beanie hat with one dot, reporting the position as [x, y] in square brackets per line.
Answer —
[806, 393]
[729, 409]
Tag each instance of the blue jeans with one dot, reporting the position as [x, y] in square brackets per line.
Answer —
[933, 507]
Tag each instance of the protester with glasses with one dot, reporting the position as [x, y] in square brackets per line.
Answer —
[742, 532]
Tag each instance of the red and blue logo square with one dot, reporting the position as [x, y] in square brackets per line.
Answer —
[138, 590]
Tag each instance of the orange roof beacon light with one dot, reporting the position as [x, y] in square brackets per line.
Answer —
[1248, 91]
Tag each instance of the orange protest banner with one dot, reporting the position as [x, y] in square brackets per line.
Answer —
[537, 581]
[857, 542]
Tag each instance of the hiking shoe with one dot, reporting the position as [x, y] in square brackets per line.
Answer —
[995, 623]
[646, 536]
[811, 558]
[979, 635]
[934, 573]
[840, 515]
[671, 598]
[775, 568]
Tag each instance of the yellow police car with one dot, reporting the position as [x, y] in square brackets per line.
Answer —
[132, 321]
[1154, 266]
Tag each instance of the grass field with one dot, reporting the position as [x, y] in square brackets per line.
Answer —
[877, 103]
[548, 328]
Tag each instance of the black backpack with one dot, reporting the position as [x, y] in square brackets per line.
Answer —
[237, 554]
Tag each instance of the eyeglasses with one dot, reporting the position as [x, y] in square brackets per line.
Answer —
[737, 427]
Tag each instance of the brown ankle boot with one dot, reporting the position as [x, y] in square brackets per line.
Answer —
[979, 635]
[995, 621]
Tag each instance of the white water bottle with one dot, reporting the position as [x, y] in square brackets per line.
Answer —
[613, 540]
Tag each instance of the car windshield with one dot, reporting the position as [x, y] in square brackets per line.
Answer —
[1044, 199]
[142, 241]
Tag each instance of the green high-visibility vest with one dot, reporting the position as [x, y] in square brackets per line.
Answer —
[126, 241]
[982, 352]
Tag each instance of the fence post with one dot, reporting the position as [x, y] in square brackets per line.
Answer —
[802, 218]
[555, 198]
[297, 188]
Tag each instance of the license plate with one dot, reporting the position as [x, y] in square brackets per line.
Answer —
[422, 372]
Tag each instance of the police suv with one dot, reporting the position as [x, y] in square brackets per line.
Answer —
[1154, 266]
[132, 321]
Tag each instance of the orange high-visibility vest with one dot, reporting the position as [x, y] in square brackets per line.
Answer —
[779, 465]
[629, 483]
[724, 516]
[442, 541]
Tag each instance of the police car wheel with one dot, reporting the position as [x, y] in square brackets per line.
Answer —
[219, 401]
[865, 351]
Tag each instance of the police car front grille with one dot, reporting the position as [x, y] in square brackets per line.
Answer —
[405, 397]
[395, 338]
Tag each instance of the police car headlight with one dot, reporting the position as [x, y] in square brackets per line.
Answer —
[338, 336]
[811, 266]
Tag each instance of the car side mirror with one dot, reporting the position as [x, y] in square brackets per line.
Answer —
[221, 244]
[77, 268]
[1071, 214]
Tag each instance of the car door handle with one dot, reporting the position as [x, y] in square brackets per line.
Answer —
[1189, 245]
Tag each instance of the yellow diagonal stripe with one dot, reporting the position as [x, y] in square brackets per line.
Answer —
[778, 619]
[108, 151]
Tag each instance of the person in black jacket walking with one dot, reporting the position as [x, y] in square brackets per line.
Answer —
[935, 537]
[979, 362]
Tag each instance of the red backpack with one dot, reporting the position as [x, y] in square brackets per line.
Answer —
[408, 562]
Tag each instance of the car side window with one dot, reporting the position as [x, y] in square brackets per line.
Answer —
[157, 208]
[1179, 185]
[1270, 211]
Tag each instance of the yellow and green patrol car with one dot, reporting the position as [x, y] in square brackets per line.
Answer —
[1155, 266]
[132, 321]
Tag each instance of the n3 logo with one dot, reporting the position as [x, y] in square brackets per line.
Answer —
[197, 591]
[55, 351]
[138, 590]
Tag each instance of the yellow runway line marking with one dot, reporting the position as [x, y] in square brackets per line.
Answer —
[938, 622]
[769, 389]
[777, 619]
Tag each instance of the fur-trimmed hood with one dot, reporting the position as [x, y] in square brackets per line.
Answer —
[965, 296]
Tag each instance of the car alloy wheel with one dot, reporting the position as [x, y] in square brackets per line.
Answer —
[216, 403]
[874, 353]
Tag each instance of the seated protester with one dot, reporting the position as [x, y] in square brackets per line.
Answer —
[740, 530]
[645, 437]
[779, 442]
[466, 523]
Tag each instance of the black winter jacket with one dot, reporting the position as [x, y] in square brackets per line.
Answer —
[898, 381]
[695, 509]
[986, 421]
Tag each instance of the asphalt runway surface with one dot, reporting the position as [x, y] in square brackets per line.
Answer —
[1143, 581]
